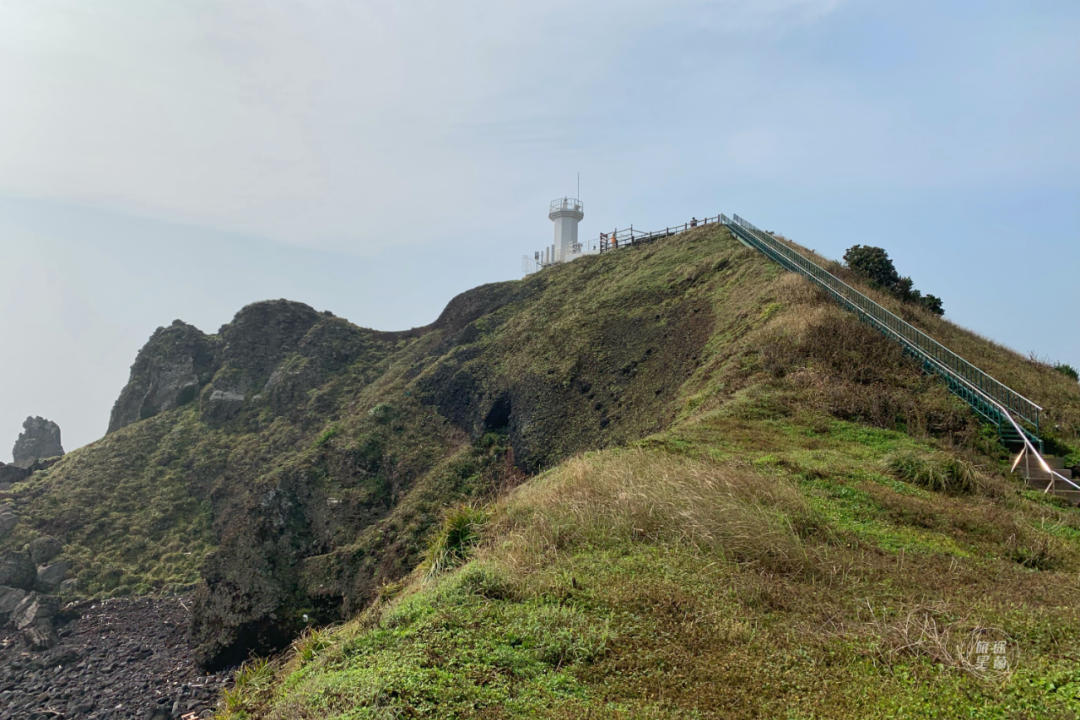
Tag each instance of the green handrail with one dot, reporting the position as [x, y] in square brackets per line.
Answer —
[982, 392]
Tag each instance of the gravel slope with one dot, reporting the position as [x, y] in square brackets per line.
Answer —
[122, 658]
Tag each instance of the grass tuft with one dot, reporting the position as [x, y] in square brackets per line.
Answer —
[310, 643]
[460, 533]
[250, 681]
[949, 475]
[332, 432]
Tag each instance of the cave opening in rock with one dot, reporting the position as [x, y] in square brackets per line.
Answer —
[498, 418]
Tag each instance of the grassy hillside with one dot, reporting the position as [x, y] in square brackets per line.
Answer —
[817, 534]
[805, 581]
[732, 498]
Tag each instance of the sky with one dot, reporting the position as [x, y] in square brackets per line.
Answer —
[163, 160]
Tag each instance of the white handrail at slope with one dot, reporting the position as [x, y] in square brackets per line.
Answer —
[1029, 448]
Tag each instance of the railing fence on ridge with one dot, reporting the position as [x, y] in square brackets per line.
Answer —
[616, 239]
[966, 380]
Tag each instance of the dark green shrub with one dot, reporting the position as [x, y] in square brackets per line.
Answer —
[1068, 371]
[874, 264]
[932, 303]
[382, 413]
[1036, 553]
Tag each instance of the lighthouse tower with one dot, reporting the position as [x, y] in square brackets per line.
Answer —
[566, 213]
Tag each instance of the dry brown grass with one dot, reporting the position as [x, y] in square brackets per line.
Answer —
[1024, 372]
[833, 361]
[923, 631]
[637, 495]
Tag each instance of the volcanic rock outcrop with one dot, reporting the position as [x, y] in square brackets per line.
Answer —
[26, 602]
[168, 372]
[243, 360]
[40, 439]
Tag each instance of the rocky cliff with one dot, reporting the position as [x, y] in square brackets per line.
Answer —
[39, 439]
[168, 373]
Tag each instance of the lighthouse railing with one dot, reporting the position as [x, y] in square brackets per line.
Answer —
[567, 203]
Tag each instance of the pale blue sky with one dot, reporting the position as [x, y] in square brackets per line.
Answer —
[373, 158]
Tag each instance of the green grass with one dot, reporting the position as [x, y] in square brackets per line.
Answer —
[131, 522]
[460, 533]
[646, 584]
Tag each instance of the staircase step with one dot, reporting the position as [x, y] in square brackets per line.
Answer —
[1054, 461]
[1040, 474]
[1065, 492]
[1059, 485]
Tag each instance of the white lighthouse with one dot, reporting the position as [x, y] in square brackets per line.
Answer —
[566, 213]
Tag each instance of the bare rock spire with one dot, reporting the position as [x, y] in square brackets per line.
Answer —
[40, 439]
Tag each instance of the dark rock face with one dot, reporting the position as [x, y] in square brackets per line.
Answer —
[328, 347]
[261, 334]
[40, 439]
[8, 521]
[167, 373]
[49, 577]
[180, 363]
[33, 618]
[253, 345]
[111, 659]
[633, 371]
[249, 599]
[483, 300]
[10, 474]
[239, 609]
[9, 600]
[17, 570]
[44, 549]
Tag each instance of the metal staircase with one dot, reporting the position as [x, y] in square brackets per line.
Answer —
[1015, 417]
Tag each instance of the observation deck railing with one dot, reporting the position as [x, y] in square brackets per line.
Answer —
[567, 203]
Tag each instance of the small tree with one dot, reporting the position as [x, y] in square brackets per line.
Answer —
[874, 264]
[932, 303]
